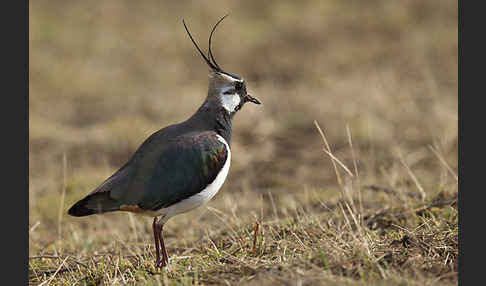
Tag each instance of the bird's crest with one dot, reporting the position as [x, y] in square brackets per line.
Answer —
[209, 59]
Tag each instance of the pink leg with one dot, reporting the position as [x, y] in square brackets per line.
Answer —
[156, 238]
[165, 257]
[159, 243]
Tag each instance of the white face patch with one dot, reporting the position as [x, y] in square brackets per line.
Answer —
[229, 101]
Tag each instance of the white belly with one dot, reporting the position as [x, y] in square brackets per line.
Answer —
[202, 197]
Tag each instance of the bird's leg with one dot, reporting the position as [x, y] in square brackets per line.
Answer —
[165, 257]
[156, 238]
[159, 243]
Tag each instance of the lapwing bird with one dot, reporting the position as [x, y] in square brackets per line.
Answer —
[179, 167]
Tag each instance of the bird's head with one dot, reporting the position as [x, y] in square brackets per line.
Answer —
[225, 88]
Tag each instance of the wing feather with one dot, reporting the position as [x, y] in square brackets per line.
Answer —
[159, 175]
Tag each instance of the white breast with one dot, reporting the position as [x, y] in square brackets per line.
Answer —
[202, 197]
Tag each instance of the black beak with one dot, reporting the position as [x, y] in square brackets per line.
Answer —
[248, 97]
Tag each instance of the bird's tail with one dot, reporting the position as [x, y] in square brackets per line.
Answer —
[95, 203]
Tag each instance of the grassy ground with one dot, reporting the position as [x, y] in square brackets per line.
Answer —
[372, 85]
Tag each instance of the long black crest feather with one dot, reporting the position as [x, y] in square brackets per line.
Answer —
[214, 67]
[210, 53]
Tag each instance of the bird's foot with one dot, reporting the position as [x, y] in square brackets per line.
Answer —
[161, 263]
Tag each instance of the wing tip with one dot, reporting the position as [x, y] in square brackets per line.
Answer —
[94, 204]
[79, 209]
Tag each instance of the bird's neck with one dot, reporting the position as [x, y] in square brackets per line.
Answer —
[214, 117]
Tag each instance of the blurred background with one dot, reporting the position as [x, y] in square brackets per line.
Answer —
[104, 75]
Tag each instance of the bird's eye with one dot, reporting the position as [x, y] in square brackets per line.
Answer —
[238, 85]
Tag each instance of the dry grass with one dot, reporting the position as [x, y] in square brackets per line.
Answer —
[371, 199]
